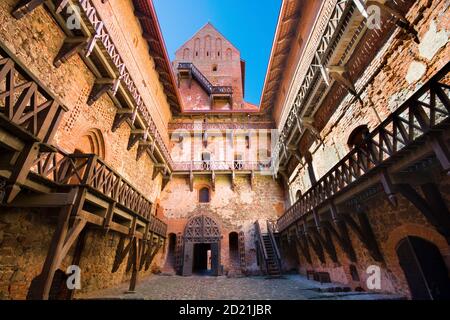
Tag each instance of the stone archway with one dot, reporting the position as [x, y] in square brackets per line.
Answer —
[201, 242]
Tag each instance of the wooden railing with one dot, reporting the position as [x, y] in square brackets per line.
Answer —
[428, 109]
[90, 171]
[331, 34]
[25, 102]
[260, 244]
[271, 230]
[210, 165]
[204, 82]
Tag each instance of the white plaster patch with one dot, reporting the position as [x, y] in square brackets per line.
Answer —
[415, 72]
[432, 41]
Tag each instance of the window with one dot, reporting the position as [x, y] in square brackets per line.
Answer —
[214, 68]
[298, 195]
[358, 136]
[203, 195]
[207, 53]
[247, 141]
[196, 53]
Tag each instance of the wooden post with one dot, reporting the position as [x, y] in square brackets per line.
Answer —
[58, 247]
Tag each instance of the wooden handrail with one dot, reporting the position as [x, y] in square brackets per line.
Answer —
[261, 241]
[270, 230]
[413, 119]
[90, 171]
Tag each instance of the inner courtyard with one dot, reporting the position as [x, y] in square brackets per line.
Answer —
[131, 172]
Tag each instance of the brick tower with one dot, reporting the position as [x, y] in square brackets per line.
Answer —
[211, 73]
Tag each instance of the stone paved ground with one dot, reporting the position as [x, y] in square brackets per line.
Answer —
[291, 287]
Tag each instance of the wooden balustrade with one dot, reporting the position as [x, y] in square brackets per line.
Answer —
[426, 111]
[89, 171]
[25, 102]
[209, 165]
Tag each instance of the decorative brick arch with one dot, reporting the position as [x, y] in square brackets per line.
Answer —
[92, 142]
[415, 230]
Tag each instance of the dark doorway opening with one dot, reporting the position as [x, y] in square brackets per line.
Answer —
[202, 259]
[170, 261]
[233, 242]
[424, 268]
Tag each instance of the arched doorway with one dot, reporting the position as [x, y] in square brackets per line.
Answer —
[201, 247]
[424, 268]
[233, 247]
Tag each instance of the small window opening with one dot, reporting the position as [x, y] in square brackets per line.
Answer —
[204, 196]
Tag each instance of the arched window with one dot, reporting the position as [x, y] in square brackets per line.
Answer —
[356, 138]
[197, 46]
[203, 195]
[229, 54]
[186, 54]
[298, 195]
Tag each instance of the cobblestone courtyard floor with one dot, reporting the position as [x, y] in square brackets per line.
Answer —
[291, 287]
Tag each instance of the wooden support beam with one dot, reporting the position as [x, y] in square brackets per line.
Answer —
[135, 264]
[150, 39]
[388, 188]
[338, 74]
[157, 169]
[79, 248]
[70, 47]
[433, 206]
[233, 180]
[155, 250]
[365, 234]
[191, 180]
[323, 236]
[340, 232]
[166, 179]
[315, 243]
[50, 200]
[121, 252]
[213, 180]
[101, 86]
[142, 148]
[303, 244]
[20, 172]
[135, 136]
[252, 179]
[121, 116]
[402, 22]
[62, 240]
[24, 7]
[442, 151]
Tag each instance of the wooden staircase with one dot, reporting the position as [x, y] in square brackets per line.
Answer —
[268, 253]
[273, 267]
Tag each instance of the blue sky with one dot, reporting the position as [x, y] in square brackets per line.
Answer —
[248, 24]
